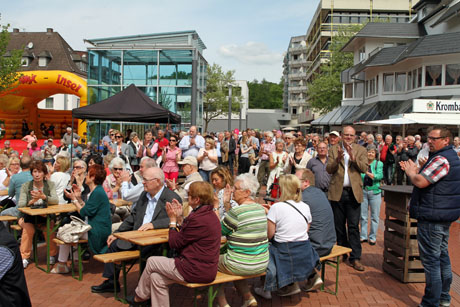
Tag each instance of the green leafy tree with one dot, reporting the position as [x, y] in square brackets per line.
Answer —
[265, 94]
[325, 91]
[215, 101]
[10, 61]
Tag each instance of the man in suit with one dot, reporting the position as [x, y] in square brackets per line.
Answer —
[346, 161]
[149, 213]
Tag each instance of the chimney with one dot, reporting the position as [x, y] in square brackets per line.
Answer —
[15, 30]
[49, 30]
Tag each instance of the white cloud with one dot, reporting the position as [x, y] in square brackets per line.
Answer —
[251, 53]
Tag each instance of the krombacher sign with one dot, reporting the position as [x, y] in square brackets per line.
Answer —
[435, 106]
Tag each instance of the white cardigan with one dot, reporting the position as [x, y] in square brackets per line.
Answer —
[302, 164]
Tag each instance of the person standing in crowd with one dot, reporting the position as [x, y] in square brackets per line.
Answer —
[435, 203]
[265, 152]
[369, 140]
[136, 145]
[318, 166]
[456, 145]
[162, 143]
[278, 159]
[24, 128]
[190, 169]
[220, 139]
[30, 138]
[314, 144]
[207, 157]
[119, 148]
[191, 143]
[379, 142]
[7, 149]
[155, 130]
[334, 138]
[346, 161]
[49, 151]
[231, 145]
[68, 137]
[171, 156]
[406, 151]
[362, 138]
[372, 196]
[387, 157]
[149, 148]
[297, 159]
[245, 150]
[289, 139]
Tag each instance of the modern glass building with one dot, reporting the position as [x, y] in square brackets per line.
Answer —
[168, 67]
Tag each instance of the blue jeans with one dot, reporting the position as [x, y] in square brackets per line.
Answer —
[204, 174]
[433, 241]
[372, 201]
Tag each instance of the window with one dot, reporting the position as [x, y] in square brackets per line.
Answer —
[400, 84]
[452, 74]
[42, 61]
[433, 75]
[25, 61]
[359, 87]
[362, 54]
[409, 80]
[49, 104]
[349, 90]
[388, 81]
[419, 77]
[295, 57]
[294, 110]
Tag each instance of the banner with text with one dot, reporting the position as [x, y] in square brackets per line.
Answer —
[435, 106]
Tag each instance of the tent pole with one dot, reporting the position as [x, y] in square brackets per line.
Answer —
[98, 136]
[71, 144]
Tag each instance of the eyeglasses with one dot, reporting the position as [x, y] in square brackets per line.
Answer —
[117, 169]
[172, 140]
[434, 138]
[112, 134]
[78, 167]
[118, 136]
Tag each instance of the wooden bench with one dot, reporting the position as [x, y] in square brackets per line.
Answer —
[12, 220]
[333, 259]
[80, 252]
[221, 278]
[119, 258]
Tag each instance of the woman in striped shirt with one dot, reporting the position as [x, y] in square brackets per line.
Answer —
[247, 245]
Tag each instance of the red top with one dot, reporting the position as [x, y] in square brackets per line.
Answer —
[161, 145]
[383, 153]
[198, 244]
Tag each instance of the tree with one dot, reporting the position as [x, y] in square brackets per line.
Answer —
[325, 91]
[265, 95]
[10, 61]
[215, 101]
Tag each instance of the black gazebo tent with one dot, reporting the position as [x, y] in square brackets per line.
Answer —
[129, 105]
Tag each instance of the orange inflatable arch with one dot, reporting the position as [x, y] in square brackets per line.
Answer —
[32, 87]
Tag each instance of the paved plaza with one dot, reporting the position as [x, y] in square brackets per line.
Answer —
[370, 288]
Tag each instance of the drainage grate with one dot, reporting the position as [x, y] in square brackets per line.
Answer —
[455, 286]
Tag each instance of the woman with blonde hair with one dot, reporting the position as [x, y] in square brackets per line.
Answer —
[292, 257]
[207, 157]
[60, 176]
[222, 182]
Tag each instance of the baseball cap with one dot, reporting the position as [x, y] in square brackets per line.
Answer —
[50, 140]
[335, 133]
[189, 160]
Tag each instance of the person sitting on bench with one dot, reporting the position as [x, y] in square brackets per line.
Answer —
[149, 213]
[198, 244]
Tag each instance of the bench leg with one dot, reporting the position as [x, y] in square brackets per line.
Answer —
[212, 294]
[337, 276]
[80, 252]
[336, 265]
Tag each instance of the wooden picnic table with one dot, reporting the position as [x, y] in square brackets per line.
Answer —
[135, 235]
[50, 210]
[4, 193]
[121, 202]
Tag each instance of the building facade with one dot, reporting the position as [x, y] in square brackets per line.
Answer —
[409, 72]
[329, 16]
[167, 67]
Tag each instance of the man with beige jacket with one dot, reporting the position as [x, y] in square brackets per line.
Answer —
[346, 161]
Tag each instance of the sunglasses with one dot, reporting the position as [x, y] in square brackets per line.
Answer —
[117, 169]
[172, 140]
[118, 136]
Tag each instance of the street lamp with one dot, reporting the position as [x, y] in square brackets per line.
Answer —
[229, 107]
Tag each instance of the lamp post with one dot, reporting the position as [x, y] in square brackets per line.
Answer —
[229, 107]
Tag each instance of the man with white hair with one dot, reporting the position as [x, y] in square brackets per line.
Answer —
[191, 143]
[131, 186]
[69, 136]
[149, 213]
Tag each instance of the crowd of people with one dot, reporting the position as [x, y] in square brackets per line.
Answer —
[282, 200]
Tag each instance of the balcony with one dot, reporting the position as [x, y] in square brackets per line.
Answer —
[297, 75]
[299, 88]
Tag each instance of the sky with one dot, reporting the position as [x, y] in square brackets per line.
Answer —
[249, 37]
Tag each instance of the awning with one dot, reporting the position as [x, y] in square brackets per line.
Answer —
[391, 121]
[335, 117]
[434, 118]
[378, 111]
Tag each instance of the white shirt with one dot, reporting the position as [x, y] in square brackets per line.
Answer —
[151, 205]
[131, 192]
[188, 150]
[60, 180]
[346, 160]
[290, 224]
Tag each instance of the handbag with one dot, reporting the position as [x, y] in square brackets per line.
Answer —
[71, 233]
[7, 203]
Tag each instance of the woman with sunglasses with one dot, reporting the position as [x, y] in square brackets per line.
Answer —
[171, 155]
[119, 148]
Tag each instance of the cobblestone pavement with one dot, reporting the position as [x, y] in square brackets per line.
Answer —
[370, 288]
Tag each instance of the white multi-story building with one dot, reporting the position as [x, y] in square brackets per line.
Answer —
[407, 71]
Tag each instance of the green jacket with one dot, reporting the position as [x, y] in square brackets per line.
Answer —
[377, 170]
[97, 209]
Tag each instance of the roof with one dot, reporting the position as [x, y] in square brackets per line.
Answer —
[429, 45]
[452, 11]
[50, 43]
[161, 39]
[386, 30]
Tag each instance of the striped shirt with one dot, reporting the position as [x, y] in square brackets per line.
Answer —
[438, 168]
[247, 245]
